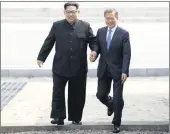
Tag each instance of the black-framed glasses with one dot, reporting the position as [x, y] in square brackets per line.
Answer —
[69, 11]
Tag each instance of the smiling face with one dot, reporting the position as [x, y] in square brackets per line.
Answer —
[111, 18]
[71, 13]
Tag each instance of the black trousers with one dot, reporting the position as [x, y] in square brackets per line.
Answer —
[76, 97]
[116, 102]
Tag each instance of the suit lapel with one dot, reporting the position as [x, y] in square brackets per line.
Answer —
[113, 41]
[104, 38]
[116, 33]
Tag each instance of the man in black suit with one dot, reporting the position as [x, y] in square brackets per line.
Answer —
[115, 55]
[71, 37]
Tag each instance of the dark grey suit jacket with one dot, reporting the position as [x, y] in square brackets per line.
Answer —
[119, 54]
[71, 42]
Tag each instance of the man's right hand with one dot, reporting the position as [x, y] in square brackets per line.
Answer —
[40, 63]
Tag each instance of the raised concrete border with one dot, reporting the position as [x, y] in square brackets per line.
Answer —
[127, 126]
[143, 72]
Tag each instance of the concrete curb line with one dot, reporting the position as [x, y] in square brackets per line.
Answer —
[141, 72]
[128, 126]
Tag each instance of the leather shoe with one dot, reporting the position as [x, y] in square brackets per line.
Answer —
[110, 111]
[76, 122]
[116, 129]
[57, 121]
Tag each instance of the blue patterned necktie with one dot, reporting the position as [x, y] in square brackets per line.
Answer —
[109, 38]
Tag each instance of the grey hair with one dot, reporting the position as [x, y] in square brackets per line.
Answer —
[111, 10]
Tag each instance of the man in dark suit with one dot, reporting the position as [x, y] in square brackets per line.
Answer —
[71, 37]
[115, 55]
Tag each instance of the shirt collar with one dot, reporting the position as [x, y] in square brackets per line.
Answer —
[113, 29]
[72, 25]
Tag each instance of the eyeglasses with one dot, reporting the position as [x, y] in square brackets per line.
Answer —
[73, 11]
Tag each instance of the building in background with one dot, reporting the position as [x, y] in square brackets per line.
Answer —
[25, 25]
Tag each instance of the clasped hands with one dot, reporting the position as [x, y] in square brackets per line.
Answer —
[93, 56]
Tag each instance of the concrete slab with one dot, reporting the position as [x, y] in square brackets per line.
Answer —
[137, 129]
[135, 72]
[146, 101]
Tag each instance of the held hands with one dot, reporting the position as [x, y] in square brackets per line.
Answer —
[93, 56]
[40, 63]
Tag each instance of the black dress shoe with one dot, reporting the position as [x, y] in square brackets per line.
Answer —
[76, 122]
[116, 129]
[57, 121]
[110, 111]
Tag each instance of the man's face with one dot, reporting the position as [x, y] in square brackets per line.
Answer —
[110, 19]
[71, 14]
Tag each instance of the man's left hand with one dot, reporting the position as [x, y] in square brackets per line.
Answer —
[93, 56]
[124, 77]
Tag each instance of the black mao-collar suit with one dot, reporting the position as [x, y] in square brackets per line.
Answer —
[70, 64]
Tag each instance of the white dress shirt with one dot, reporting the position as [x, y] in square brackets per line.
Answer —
[113, 31]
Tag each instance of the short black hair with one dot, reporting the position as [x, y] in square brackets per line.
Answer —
[71, 4]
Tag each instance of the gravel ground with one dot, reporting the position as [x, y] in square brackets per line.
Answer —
[91, 132]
